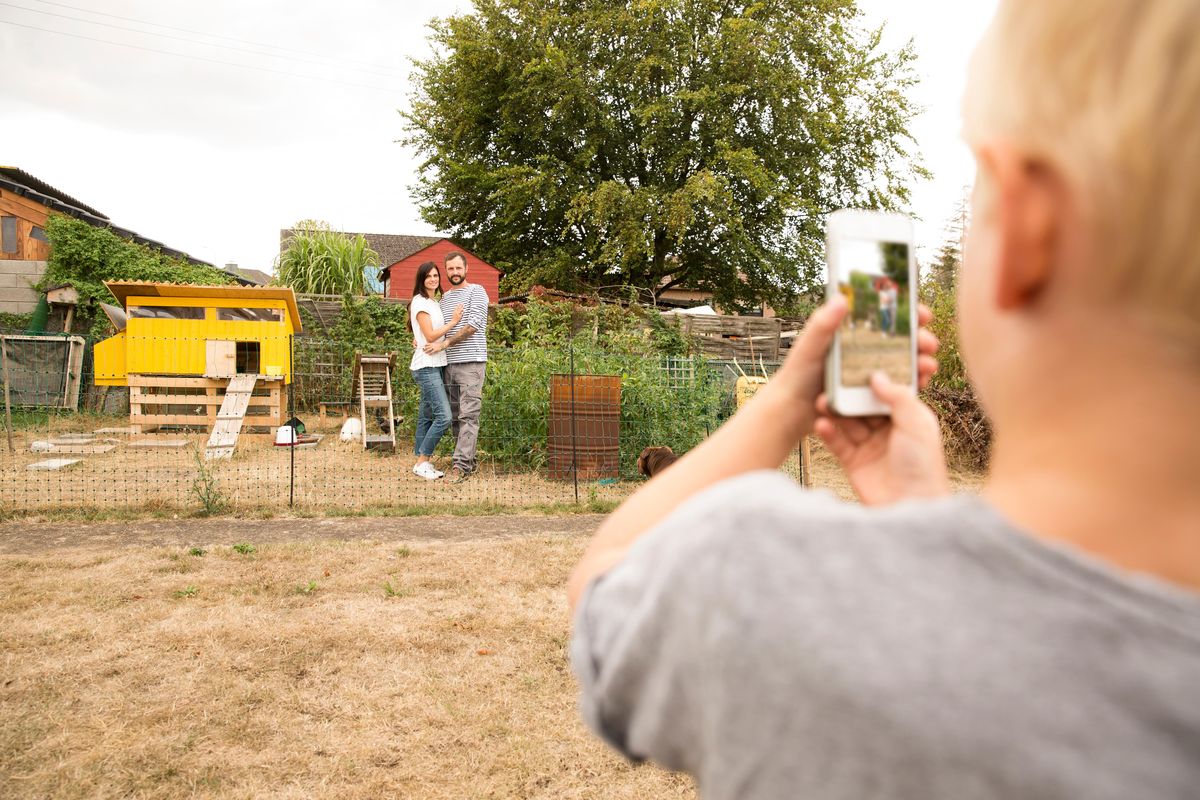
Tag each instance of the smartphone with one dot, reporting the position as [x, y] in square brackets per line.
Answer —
[871, 263]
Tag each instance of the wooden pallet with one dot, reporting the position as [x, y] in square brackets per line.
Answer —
[373, 389]
[224, 435]
[157, 400]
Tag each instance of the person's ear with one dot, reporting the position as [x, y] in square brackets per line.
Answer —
[1027, 204]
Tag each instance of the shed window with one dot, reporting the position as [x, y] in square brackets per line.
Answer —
[247, 358]
[250, 314]
[39, 234]
[166, 312]
[8, 235]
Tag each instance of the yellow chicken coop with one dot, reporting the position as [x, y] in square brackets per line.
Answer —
[200, 355]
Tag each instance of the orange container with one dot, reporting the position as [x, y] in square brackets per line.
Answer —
[585, 427]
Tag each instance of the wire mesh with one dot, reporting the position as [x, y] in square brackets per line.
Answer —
[556, 426]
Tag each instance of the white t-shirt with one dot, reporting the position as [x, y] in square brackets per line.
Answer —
[420, 358]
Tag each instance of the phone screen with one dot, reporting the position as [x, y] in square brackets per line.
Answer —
[873, 277]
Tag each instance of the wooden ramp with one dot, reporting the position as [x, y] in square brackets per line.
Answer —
[229, 419]
[373, 387]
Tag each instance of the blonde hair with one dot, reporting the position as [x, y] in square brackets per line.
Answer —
[1108, 92]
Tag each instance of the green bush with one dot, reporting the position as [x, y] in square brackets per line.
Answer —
[966, 430]
[86, 256]
[667, 397]
[951, 372]
[664, 400]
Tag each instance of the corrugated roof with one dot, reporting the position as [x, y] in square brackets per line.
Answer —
[255, 276]
[122, 290]
[22, 183]
[22, 177]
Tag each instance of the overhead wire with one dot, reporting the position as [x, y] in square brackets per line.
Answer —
[378, 74]
[213, 35]
[321, 78]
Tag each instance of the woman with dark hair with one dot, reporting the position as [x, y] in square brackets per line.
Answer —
[429, 327]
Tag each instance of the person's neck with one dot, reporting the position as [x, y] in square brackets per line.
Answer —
[1110, 468]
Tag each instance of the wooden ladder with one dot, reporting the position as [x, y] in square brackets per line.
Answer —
[373, 386]
[229, 418]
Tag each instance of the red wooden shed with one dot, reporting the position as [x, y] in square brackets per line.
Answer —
[399, 257]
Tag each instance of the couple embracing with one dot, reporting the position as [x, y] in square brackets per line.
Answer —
[448, 363]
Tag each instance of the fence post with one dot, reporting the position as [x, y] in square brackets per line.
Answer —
[7, 406]
[574, 456]
[291, 415]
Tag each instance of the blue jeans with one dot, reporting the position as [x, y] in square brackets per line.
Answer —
[433, 415]
[887, 319]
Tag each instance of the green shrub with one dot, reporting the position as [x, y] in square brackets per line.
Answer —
[667, 397]
[86, 256]
[966, 431]
[951, 372]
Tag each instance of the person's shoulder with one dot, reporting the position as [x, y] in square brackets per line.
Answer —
[766, 517]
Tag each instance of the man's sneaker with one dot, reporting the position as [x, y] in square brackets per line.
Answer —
[458, 475]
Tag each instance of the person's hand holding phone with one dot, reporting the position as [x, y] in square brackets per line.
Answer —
[896, 457]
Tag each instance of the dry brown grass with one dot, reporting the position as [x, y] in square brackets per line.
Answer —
[330, 478]
[296, 672]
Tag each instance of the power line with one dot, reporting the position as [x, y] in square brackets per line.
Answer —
[199, 58]
[210, 35]
[187, 40]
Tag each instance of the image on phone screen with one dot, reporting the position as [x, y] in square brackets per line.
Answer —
[873, 277]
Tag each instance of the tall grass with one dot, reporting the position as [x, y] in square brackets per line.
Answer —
[319, 260]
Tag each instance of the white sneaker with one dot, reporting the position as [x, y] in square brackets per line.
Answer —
[426, 471]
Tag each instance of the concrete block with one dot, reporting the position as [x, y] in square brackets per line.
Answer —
[54, 463]
[16, 306]
[30, 269]
[73, 448]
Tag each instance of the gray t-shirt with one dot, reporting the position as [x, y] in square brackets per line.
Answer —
[779, 643]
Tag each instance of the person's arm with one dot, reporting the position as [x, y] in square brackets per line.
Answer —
[431, 333]
[760, 436]
[476, 315]
[464, 333]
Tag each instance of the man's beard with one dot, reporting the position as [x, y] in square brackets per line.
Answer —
[455, 280]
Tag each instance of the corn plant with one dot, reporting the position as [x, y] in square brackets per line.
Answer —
[319, 260]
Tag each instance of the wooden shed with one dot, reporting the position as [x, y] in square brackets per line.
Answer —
[180, 349]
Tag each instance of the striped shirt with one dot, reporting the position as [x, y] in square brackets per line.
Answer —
[475, 313]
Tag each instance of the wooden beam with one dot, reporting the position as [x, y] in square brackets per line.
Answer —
[16, 206]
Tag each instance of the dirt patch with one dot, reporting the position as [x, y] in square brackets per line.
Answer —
[16, 538]
[348, 669]
[865, 352]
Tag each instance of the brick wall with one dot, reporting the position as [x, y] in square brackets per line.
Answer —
[16, 278]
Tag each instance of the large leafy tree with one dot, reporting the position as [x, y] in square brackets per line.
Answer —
[656, 143]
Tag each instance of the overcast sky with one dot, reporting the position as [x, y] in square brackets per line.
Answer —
[210, 126]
